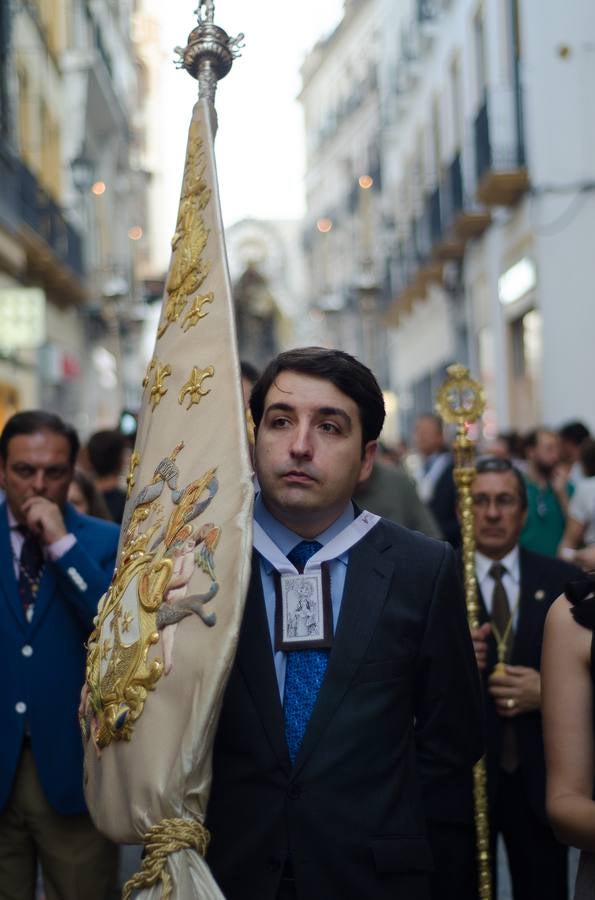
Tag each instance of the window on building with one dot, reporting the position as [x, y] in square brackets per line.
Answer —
[436, 138]
[526, 345]
[457, 103]
[480, 53]
[24, 118]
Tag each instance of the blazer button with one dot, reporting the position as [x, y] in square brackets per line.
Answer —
[21, 707]
[27, 650]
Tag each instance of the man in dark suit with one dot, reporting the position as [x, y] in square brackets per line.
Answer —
[335, 761]
[516, 589]
[54, 566]
[435, 483]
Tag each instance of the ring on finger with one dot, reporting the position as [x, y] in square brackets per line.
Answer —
[510, 703]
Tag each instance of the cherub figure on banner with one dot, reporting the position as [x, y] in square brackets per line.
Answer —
[148, 597]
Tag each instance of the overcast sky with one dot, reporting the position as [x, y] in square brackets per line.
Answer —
[259, 146]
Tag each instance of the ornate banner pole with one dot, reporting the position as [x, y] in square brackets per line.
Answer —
[166, 632]
[460, 401]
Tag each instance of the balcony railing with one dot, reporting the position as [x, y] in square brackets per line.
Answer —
[500, 162]
[10, 205]
[46, 219]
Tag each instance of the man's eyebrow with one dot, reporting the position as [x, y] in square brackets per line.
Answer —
[322, 410]
[280, 407]
[335, 411]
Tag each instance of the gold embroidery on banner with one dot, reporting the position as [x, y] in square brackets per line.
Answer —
[188, 268]
[193, 388]
[158, 390]
[134, 462]
[150, 368]
[195, 312]
[148, 597]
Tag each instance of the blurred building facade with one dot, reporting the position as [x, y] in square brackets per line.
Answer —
[474, 237]
[343, 234]
[72, 210]
[490, 170]
[266, 267]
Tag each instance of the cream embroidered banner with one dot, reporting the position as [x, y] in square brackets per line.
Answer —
[167, 629]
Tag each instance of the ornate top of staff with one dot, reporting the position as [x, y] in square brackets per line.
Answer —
[461, 399]
[210, 51]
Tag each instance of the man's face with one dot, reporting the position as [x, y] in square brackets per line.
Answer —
[428, 436]
[546, 453]
[498, 517]
[308, 455]
[37, 465]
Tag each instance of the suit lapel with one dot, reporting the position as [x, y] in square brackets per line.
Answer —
[256, 663]
[531, 613]
[368, 578]
[7, 574]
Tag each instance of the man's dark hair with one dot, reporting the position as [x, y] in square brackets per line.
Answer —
[496, 464]
[249, 372]
[532, 437]
[105, 449]
[574, 432]
[514, 442]
[32, 421]
[587, 457]
[347, 374]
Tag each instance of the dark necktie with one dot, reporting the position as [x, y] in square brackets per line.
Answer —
[501, 608]
[30, 565]
[509, 754]
[304, 672]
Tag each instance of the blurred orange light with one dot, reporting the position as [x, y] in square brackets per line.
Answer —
[98, 188]
[324, 225]
[365, 182]
[135, 233]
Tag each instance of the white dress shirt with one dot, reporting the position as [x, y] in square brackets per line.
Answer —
[511, 579]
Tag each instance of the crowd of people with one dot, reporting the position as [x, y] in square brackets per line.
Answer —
[343, 769]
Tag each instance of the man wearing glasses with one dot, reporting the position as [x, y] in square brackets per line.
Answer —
[516, 588]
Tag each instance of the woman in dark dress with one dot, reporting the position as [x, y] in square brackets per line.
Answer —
[568, 676]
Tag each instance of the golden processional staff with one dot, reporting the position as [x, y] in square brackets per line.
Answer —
[167, 629]
[461, 402]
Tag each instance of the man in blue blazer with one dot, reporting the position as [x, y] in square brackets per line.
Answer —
[55, 564]
[352, 717]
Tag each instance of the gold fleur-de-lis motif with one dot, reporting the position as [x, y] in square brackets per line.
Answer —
[193, 389]
[130, 478]
[150, 368]
[126, 621]
[195, 312]
[105, 649]
[158, 389]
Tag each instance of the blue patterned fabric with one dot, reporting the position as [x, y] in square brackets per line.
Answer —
[304, 673]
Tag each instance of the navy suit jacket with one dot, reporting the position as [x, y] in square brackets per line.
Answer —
[42, 663]
[397, 725]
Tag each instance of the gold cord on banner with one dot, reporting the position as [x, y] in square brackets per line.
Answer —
[169, 836]
[461, 402]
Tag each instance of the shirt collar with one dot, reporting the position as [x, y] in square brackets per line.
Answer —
[286, 540]
[511, 563]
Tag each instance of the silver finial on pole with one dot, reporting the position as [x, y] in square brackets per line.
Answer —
[210, 51]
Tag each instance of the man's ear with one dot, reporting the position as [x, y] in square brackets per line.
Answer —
[367, 461]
